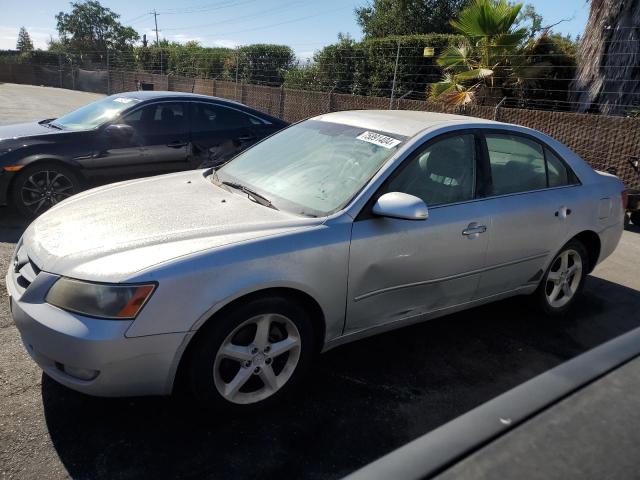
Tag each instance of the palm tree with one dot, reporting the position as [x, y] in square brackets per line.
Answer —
[608, 76]
[486, 58]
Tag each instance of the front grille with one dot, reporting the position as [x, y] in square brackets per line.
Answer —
[24, 268]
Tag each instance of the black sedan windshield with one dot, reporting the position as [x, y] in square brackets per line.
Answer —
[94, 114]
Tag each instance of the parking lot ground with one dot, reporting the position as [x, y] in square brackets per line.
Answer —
[25, 103]
[361, 400]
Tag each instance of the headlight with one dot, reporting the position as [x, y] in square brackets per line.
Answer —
[118, 302]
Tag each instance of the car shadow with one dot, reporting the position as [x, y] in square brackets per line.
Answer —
[11, 225]
[361, 400]
[630, 227]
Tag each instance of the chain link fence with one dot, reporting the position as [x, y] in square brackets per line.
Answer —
[606, 142]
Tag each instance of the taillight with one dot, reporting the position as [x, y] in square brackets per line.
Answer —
[625, 199]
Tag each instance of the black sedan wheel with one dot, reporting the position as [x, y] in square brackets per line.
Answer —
[38, 188]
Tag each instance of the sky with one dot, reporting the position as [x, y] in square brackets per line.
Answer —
[305, 25]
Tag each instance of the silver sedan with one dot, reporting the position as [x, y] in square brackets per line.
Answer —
[339, 227]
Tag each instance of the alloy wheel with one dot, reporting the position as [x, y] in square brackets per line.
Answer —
[43, 189]
[563, 279]
[257, 358]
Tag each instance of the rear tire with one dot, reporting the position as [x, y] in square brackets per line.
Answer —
[41, 186]
[563, 281]
[250, 356]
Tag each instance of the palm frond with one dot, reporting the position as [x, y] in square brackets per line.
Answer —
[459, 97]
[456, 58]
[483, 19]
[445, 86]
[475, 74]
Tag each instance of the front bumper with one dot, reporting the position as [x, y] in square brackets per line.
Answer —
[5, 181]
[57, 340]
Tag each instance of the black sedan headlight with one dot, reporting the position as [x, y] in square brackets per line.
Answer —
[108, 301]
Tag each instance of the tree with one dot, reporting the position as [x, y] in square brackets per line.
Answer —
[93, 29]
[529, 15]
[608, 72]
[24, 44]
[546, 72]
[264, 64]
[383, 18]
[487, 58]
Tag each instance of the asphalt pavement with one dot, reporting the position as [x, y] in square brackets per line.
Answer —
[360, 401]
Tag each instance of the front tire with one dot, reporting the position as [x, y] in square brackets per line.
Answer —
[564, 280]
[251, 355]
[41, 186]
[635, 218]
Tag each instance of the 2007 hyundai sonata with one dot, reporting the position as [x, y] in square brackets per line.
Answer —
[339, 227]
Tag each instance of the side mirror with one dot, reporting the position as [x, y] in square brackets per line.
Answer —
[120, 132]
[401, 205]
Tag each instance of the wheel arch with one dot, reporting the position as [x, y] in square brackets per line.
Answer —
[593, 244]
[309, 303]
[49, 160]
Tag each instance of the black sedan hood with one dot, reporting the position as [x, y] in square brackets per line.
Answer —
[22, 130]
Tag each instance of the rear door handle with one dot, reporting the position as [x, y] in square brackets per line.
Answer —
[177, 144]
[563, 212]
[246, 138]
[473, 230]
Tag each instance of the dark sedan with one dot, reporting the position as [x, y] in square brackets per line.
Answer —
[123, 136]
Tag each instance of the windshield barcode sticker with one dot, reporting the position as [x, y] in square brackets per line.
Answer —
[377, 139]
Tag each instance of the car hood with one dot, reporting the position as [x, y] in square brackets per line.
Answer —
[112, 232]
[22, 130]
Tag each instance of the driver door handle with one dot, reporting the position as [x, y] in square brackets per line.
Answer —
[177, 144]
[246, 138]
[473, 230]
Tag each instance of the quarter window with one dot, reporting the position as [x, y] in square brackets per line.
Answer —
[559, 173]
[517, 164]
[442, 173]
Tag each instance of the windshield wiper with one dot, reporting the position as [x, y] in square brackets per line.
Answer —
[49, 123]
[261, 199]
[215, 169]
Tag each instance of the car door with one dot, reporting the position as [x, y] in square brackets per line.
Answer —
[163, 130]
[400, 269]
[220, 132]
[159, 143]
[115, 156]
[528, 217]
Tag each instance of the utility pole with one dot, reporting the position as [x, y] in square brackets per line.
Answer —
[155, 19]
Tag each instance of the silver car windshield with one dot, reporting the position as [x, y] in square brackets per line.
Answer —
[314, 167]
[95, 114]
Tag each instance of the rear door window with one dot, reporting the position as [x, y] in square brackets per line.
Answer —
[211, 118]
[517, 164]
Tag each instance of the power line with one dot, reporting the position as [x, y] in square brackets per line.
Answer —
[241, 18]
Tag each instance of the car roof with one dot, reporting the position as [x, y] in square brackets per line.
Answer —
[400, 122]
[146, 95]
[153, 94]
